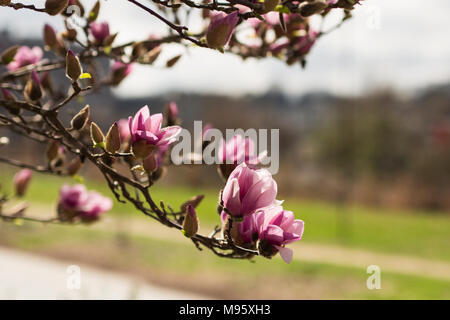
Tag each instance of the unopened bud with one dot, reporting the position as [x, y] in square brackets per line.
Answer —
[54, 7]
[171, 62]
[50, 39]
[96, 135]
[94, 12]
[310, 8]
[151, 56]
[80, 119]
[194, 201]
[270, 5]
[112, 144]
[221, 28]
[171, 113]
[120, 71]
[73, 66]
[21, 181]
[5, 2]
[141, 149]
[190, 223]
[9, 97]
[52, 150]
[74, 166]
[9, 54]
[33, 91]
[109, 40]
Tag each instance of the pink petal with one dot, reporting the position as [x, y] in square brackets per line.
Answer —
[231, 197]
[285, 253]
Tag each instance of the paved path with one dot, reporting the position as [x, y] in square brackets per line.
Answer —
[304, 251]
[27, 276]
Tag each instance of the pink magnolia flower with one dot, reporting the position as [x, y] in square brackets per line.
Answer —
[21, 181]
[238, 150]
[305, 43]
[146, 131]
[120, 70]
[248, 190]
[25, 56]
[88, 205]
[276, 228]
[99, 30]
[221, 28]
[94, 205]
[124, 130]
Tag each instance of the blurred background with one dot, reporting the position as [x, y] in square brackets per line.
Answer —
[364, 161]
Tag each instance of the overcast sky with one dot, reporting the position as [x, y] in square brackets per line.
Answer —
[401, 43]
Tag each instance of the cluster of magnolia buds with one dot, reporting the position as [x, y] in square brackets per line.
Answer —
[283, 29]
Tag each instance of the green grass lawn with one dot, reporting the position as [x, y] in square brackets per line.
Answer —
[182, 266]
[422, 234]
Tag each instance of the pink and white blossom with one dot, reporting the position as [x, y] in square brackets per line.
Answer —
[278, 227]
[25, 56]
[146, 129]
[87, 204]
[248, 190]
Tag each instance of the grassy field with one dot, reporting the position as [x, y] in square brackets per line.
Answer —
[416, 234]
[422, 234]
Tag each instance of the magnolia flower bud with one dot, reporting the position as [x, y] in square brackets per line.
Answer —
[190, 223]
[171, 62]
[309, 8]
[81, 118]
[5, 2]
[141, 149]
[171, 114]
[33, 91]
[194, 202]
[96, 134]
[220, 29]
[21, 181]
[109, 40]
[8, 55]
[9, 97]
[73, 66]
[94, 12]
[113, 139]
[120, 71]
[54, 7]
[52, 150]
[50, 39]
[270, 5]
